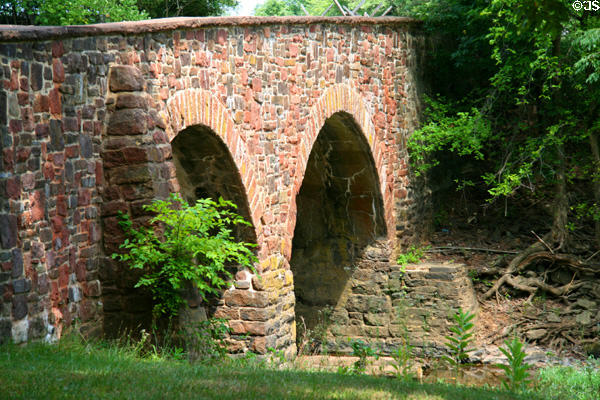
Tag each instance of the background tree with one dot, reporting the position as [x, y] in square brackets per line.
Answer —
[516, 118]
[188, 8]
[81, 12]
[75, 12]
[319, 7]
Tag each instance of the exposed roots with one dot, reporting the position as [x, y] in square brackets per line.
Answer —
[539, 252]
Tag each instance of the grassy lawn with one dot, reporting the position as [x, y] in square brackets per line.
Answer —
[93, 371]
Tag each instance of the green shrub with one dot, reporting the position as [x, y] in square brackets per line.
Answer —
[459, 343]
[185, 244]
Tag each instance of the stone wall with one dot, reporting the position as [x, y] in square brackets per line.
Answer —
[387, 305]
[87, 117]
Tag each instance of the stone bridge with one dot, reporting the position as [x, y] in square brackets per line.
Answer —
[300, 121]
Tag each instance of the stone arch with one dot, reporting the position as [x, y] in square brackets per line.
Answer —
[191, 107]
[343, 98]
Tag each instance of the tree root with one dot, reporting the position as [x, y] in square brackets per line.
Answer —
[534, 253]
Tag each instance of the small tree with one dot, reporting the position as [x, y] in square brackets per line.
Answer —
[185, 244]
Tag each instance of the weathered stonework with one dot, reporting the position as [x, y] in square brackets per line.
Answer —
[89, 125]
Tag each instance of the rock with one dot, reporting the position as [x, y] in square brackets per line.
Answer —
[8, 231]
[19, 331]
[552, 317]
[536, 334]
[587, 304]
[125, 78]
[19, 307]
[536, 357]
[127, 122]
[585, 318]
[561, 276]
[5, 331]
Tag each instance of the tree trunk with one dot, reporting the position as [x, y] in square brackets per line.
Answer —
[596, 180]
[559, 233]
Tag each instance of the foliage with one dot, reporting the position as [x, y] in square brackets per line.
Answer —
[76, 12]
[517, 375]
[314, 341]
[413, 255]
[81, 12]
[518, 82]
[403, 355]
[190, 8]
[363, 351]
[458, 344]
[185, 244]
[319, 7]
[276, 358]
[279, 8]
[205, 340]
[403, 361]
[580, 382]
[463, 133]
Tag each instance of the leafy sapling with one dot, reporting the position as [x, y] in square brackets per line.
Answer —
[184, 245]
[458, 344]
[517, 375]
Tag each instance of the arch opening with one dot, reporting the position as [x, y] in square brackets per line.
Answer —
[205, 168]
[339, 214]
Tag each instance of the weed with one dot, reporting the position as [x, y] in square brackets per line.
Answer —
[517, 375]
[403, 361]
[458, 343]
[363, 351]
[205, 340]
[473, 274]
[184, 245]
[275, 358]
[314, 341]
[413, 255]
[344, 370]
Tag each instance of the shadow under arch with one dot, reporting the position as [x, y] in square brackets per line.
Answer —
[346, 99]
[339, 213]
[205, 168]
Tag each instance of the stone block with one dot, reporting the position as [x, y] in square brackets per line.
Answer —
[5, 331]
[130, 174]
[127, 122]
[17, 263]
[8, 231]
[19, 306]
[130, 100]
[125, 78]
[256, 314]
[245, 298]
[261, 344]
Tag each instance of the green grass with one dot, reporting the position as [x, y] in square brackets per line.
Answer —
[71, 370]
[580, 383]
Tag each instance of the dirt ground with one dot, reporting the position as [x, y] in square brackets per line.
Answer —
[486, 244]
